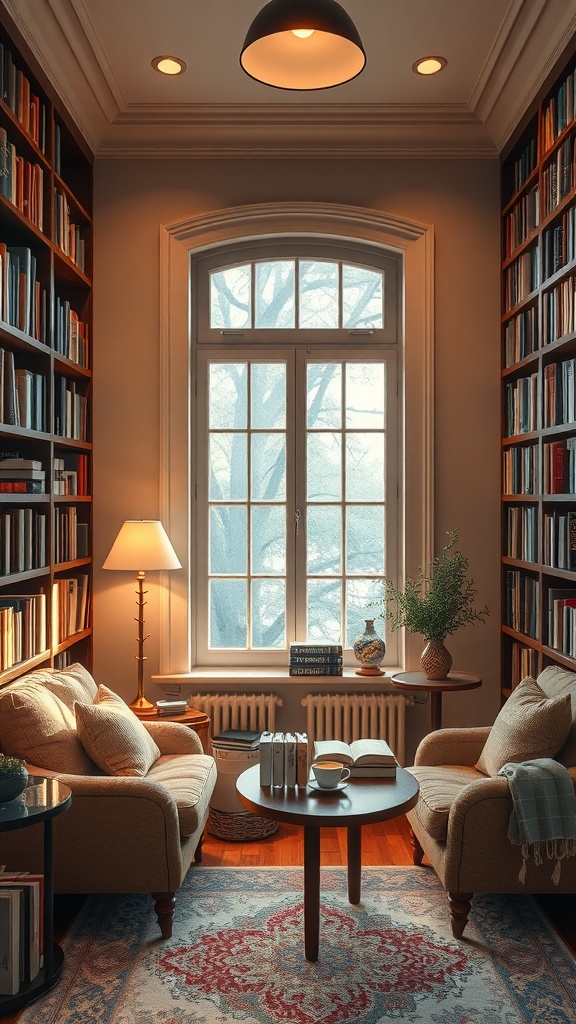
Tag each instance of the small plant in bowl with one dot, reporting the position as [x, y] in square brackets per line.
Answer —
[13, 777]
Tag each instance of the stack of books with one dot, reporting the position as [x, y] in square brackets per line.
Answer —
[22, 476]
[171, 707]
[366, 758]
[21, 929]
[283, 759]
[237, 739]
[315, 659]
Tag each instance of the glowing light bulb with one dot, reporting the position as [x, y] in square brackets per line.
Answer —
[303, 33]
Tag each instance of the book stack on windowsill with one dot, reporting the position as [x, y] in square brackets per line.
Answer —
[315, 659]
[366, 758]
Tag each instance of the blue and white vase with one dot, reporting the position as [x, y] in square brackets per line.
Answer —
[369, 650]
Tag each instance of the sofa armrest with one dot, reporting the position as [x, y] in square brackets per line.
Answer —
[452, 746]
[174, 737]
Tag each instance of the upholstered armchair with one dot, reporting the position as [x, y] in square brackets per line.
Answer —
[140, 792]
[462, 816]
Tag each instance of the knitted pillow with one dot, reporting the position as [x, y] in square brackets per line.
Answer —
[529, 725]
[37, 725]
[113, 737]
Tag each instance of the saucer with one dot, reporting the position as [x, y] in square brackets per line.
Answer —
[322, 789]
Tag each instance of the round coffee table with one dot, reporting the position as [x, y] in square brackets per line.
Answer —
[363, 801]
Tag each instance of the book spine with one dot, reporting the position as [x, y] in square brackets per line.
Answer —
[311, 649]
[278, 760]
[301, 758]
[289, 760]
[315, 659]
[316, 670]
[266, 759]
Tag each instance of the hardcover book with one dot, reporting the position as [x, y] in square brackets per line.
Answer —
[365, 757]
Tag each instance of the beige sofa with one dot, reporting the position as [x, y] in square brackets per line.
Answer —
[462, 816]
[137, 817]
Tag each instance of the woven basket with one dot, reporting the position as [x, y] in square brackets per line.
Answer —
[240, 827]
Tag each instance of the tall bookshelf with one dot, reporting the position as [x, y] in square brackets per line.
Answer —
[538, 385]
[45, 371]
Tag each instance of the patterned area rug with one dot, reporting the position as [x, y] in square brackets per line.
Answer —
[237, 955]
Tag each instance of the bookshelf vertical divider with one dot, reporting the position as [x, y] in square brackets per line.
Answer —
[538, 384]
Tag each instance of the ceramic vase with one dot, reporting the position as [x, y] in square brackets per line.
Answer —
[435, 660]
[369, 650]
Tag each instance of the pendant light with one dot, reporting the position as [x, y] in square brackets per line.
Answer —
[302, 44]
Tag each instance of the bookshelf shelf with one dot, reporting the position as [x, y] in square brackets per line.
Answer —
[539, 384]
[45, 364]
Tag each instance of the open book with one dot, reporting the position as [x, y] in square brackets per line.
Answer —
[364, 757]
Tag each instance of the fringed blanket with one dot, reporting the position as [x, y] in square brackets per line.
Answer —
[543, 819]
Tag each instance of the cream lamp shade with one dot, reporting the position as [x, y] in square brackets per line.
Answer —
[302, 44]
[143, 546]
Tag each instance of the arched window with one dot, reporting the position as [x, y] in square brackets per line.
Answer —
[296, 427]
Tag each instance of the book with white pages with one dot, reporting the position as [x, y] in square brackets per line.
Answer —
[366, 758]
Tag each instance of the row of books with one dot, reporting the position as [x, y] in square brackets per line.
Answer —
[27, 476]
[70, 607]
[522, 532]
[70, 410]
[315, 659]
[520, 470]
[559, 393]
[559, 244]
[522, 602]
[22, 628]
[22, 394]
[559, 311]
[67, 234]
[70, 333]
[524, 165]
[522, 277]
[562, 621]
[21, 929]
[21, 182]
[23, 298]
[522, 220]
[17, 93]
[71, 537]
[22, 540]
[523, 662]
[559, 540]
[521, 405]
[559, 111]
[558, 177]
[283, 759]
[521, 335]
[559, 466]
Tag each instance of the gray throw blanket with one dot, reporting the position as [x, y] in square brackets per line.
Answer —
[543, 819]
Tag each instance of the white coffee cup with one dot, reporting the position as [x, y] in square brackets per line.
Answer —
[329, 774]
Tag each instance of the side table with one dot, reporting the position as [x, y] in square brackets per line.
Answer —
[196, 720]
[41, 801]
[418, 681]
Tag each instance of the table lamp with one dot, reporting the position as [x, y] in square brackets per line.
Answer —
[141, 545]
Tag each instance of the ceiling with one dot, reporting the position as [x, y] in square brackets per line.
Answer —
[97, 54]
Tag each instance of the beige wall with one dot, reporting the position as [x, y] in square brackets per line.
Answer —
[461, 200]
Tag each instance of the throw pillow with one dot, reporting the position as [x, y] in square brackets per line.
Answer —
[113, 737]
[529, 725]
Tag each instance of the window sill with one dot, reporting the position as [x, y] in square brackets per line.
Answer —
[257, 678]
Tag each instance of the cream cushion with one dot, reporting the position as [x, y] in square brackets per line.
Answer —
[439, 787]
[186, 778]
[529, 725]
[38, 725]
[113, 737]
[555, 680]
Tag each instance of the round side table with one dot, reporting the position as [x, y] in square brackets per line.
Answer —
[418, 682]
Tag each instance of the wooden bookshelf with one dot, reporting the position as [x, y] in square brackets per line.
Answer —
[45, 371]
[539, 389]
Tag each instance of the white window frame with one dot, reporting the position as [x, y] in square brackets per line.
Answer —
[319, 221]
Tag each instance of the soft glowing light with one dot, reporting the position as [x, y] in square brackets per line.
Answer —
[169, 65]
[429, 65]
[302, 33]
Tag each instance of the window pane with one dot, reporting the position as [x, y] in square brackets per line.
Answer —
[268, 396]
[364, 467]
[268, 614]
[269, 540]
[318, 292]
[230, 298]
[360, 595]
[324, 548]
[365, 539]
[324, 611]
[227, 614]
[228, 392]
[365, 395]
[323, 467]
[275, 306]
[228, 540]
[324, 396]
[228, 467]
[362, 297]
[268, 467]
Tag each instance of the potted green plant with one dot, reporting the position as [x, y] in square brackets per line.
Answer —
[435, 605]
[13, 777]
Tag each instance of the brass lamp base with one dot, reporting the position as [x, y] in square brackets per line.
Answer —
[142, 706]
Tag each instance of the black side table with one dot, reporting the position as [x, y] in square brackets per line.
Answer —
[41, 801]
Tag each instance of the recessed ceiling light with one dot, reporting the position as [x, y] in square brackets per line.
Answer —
[169, 65]
[429, 65]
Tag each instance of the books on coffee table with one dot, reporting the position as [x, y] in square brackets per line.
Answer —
[366, 758]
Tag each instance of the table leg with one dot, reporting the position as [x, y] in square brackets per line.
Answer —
[311, 892]
[354, 863]
[436, 710]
